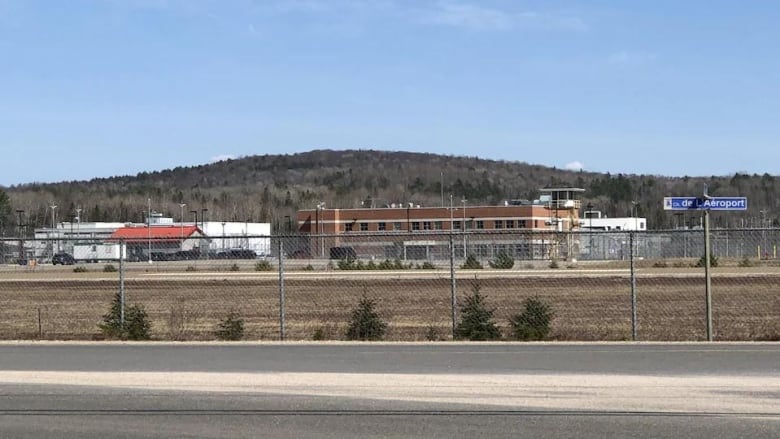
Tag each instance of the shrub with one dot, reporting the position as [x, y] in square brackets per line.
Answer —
[180, 318]
[109, 268]
[263, 266]
[365, 323]
[326, 332]
[347, 264]
[235, 267]
[191, 268]
[534, 322]
[387, 264]
[471, 263]
[745, 262]
[308, 268]
[427, 266]
[432, 333]
[660, 264]
[80, 269]
[476, 319]
[136, 327]
[230, 328]
[554, 264]
[713, 261]
[503, 261]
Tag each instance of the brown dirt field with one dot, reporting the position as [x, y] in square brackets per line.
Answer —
[586, 308]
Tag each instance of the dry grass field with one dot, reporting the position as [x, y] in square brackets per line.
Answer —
[746, 306]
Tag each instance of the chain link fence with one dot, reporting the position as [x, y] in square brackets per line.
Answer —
[304, 287]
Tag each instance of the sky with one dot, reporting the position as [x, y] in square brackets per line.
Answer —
[97, 88]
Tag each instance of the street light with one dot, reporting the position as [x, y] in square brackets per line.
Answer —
[463, 227]
[763, 233]
[181, 224]
[195, 215]
[20, 212]
[589, 212]
[78, 227]
[203, 218]
[223, 235]
[149, 227]
[321, 227]
[53, 207]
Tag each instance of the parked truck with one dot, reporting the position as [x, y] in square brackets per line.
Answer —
[97, 252]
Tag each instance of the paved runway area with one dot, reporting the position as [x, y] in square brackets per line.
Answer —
[389, 390]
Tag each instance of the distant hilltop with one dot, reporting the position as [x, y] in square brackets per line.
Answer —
[271, 188]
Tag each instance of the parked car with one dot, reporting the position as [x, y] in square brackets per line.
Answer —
[63, 259]
[343, 253]
[236, 254]
[186, 255]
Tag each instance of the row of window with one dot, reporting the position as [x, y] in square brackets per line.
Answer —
[438, 225]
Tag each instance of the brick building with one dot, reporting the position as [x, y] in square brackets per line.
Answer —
[414, 232]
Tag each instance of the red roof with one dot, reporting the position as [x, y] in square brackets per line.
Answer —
[157, 233]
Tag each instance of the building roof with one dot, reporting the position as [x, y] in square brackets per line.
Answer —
[157, 233]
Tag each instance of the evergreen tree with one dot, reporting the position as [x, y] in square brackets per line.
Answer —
[136, 327]
[476, 319]
[365, 323]
[534, 322]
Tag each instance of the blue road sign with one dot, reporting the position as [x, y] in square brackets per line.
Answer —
[711, 203]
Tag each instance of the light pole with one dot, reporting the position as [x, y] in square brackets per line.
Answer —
[53, 226]
[78, 227]
[195, 215]
[763, 234]
[321, 227]
[203, 213]
[223, 236]
[463, 228]
[149, 226]
[181, 224]
[20, 212]
[589, 212]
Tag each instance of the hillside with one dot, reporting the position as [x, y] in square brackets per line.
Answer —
[270, 187]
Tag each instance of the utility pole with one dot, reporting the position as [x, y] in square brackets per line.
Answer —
[53, 227]
[181, 224]
[149, 227]
[21, 235]
[463, 227]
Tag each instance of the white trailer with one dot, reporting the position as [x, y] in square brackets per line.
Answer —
[98, 252]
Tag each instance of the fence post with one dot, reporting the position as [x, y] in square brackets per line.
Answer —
[122, 283]
[707, 281]
[281, 289]
[453, 291]
[633, 285]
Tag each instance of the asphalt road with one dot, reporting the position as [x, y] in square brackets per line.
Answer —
[389, 390]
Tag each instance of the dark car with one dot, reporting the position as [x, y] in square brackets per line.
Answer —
[63, 259]
[186, 255]
[236, 254]
[343, 253]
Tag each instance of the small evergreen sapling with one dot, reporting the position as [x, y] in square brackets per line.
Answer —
[476, 319]
[365, 324]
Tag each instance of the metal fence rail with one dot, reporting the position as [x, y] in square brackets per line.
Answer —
[294, 290]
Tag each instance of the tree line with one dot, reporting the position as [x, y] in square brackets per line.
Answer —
[271, 188]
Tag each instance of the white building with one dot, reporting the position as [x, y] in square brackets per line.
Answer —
[223, 236]
[601, 238]
[594, 221]
[232, 235]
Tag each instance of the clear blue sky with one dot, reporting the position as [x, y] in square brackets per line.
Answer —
[92, 88]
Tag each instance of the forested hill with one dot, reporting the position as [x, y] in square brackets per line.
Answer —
[269, 187]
